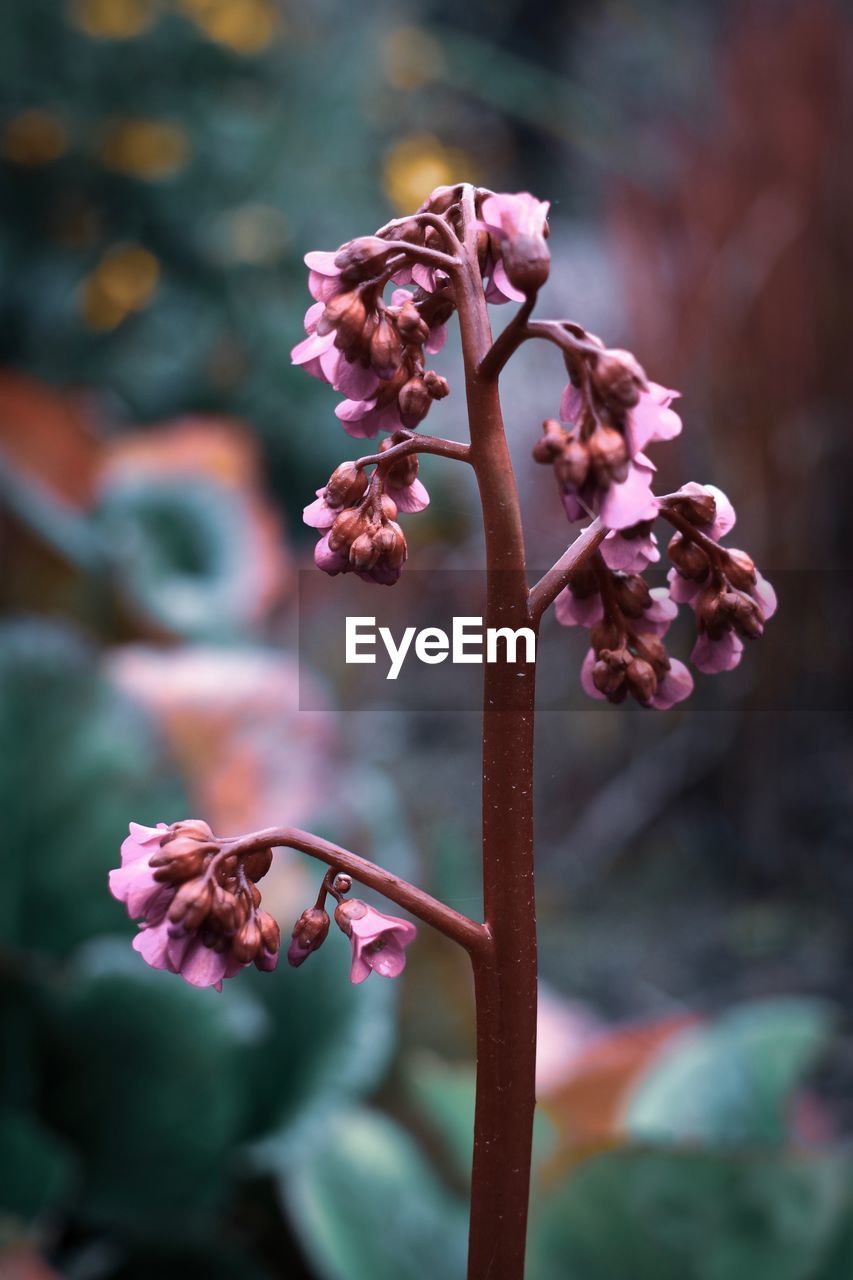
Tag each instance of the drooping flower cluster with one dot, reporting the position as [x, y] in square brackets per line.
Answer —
[627, 621]
[198, 904]
[514, 257]
[614, 413]
[731, 600]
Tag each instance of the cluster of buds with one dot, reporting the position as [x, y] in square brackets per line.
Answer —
[378, 941]
[198, 903]
[370, 351]
[627, 623]
[357, 516]
[730, 598]
[614, 412]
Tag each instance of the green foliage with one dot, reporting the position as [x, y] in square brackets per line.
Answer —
[662, 1215]
[367, 1206]
[35, 1167]
[731, 1081]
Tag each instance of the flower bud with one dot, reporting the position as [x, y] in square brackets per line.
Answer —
[363, 252]
[256, 865]
[747, 617]
[191, 903]
[193, 828]
[346, 485]
[309, 933]
[346, 528]
[412, 328]
[346, 314]
[619, 379]
[402, 471]
[688, 557]
[632, 594]
[391, 544]
[572, 466]
[655, 653]
[385, 348]
[346, 912]
[437, 386]
[269, 931]
[740, 570]
[364, 552]
[714, 612]
[608, 679]
[641, 680]
[583, 583]
[247, 941]
[172, 868]
[608, 455]
[698, 508]
[604, 635]
[550, 444]
[227, 911]
[441, 199]
[526, 261]
[414, 400]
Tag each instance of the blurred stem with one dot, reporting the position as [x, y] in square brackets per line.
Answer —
[504, 976]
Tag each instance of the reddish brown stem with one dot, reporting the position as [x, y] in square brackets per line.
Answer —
[419, 444]
[470, 935]
[504, 977]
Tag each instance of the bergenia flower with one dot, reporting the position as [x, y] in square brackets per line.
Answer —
[631, 550]
[198, 916]
[673, 687]
[378, 941]
[519, 258]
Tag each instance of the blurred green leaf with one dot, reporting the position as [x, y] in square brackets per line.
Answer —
[145, 1077]
[77, 761]
[366, 1205]
[35, 1166]
[665, 1215]
[731, 1081]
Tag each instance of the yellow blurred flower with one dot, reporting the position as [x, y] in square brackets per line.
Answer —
[147, 149]
[412, 58]
[123, 281]
[253, 233]
[112, 19]
[33, 137]
[246, 26]
[417, 164]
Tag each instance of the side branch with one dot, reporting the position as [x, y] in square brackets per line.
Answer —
[474, 937]
[429, 257]
[419, 444]
[573, 558]
[571, 338]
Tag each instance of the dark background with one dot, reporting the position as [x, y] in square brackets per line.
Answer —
[164, 165]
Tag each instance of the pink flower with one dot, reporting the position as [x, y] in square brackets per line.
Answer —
[364, 418]
[519, 259]
[192, 921]
[378, 941]
[652, 420]
[631, 554]
[318, 355]
[408, 498]
[674, 686]
[628, 503]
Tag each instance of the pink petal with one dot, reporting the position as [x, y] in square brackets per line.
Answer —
[572, 612]
[389, 961]
[684, 590]
[354, 380]
[424, 276]
[202, 966]
[676, 685]
[409, 498]
[152, 945]
[629, 502]
[437, 338]
[501, 282]
[318, 515]
[765, 596]
[329, 561]
[322, 262]
[571, 403]
[661, 613]
[714, 656]
[629, 555]
[586, 677]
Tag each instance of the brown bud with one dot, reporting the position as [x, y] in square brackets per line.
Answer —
[688, 557]
[191, 903]
[698, 508]
[194, 828]
[607, 679]
[641, 680]
[391, 544]
[526, 261]
[550, 444]
[747, 617]
[654, 650]
[414, 400]
[632, 593]
[714, 612]
[346, 485]
[346, 912]
[225, 910]
[583, 583]
[608, 455]
[247, 941]
[402, 471]
[387, 507]
[309, 933]
[572, 466]
[269, 931]
[619, 379]
[441, 199]
[346, 528]
[385, 348]
[740, 570]
[173, 869]
[437, 386]
[412, 328]
[346, 314]
[364, 552]
[362, 252]
[256, 865]
[604, 635]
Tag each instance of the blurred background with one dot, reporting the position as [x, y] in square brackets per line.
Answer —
[164, 165]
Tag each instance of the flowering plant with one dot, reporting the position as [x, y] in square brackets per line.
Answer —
[197, 894]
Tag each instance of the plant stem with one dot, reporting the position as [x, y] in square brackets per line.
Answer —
[505, 978]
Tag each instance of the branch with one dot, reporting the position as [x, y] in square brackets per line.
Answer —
[433, 220]
[565, 334]
[551, 583]
[474, 937]
[419, 444]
